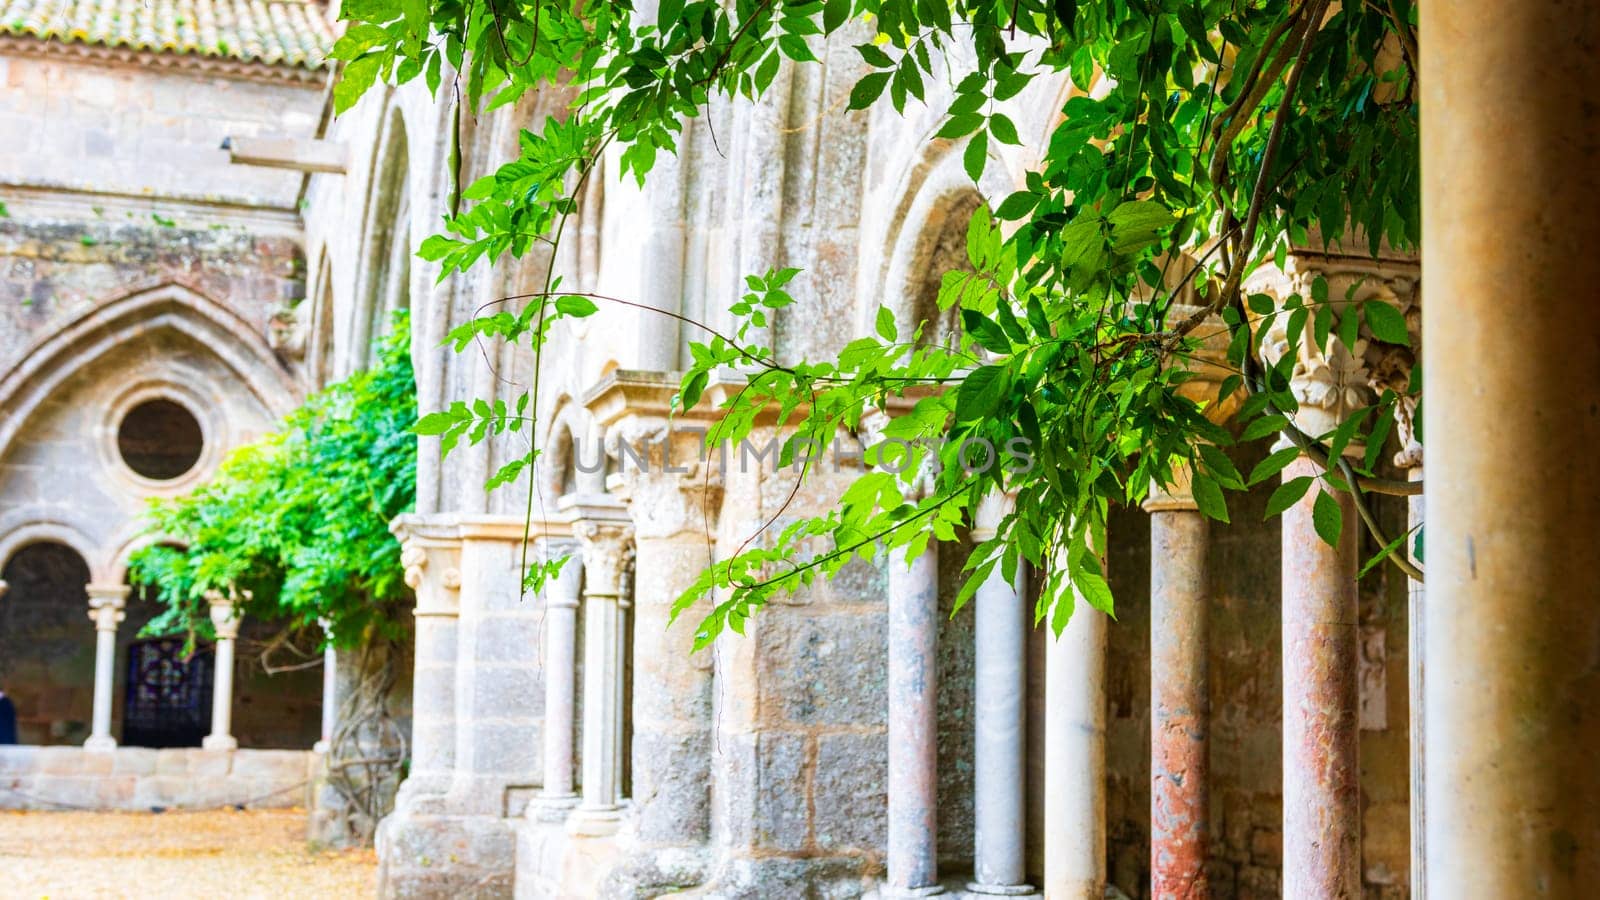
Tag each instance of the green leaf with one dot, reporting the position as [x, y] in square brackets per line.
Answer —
[1273, 464]
[868, 89]
[1262, 427]
[1208, 496]
[576, 306]
[834, 12]
[976, 155]
[1287, 495]
[1094, 590]
[874, 56]
[886, 329]
[1328, 518]
[1004, 131]
[1387, 323]
[1017, 205]
[694, 384]
[359, 75]
[796, 48]
[980, 392]
[989, 335]
[1221, 466]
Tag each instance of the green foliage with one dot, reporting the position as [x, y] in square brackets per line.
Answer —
[301, 517]
[1202, 140]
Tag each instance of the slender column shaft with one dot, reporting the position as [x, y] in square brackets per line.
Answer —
[330, 694]
[106, 605]
[999, 779]
[1321, 763]
[560, 680]
[913, 723]
[1416, 652]
[1512, 695]
[607, 551]
[225, 619]
[1075, 758]
[1180, 702]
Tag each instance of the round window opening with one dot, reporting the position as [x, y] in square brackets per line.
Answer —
[160, 439]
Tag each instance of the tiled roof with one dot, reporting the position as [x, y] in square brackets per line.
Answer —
[278, 32]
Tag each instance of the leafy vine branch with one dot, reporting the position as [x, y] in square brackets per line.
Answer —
[1171, 146]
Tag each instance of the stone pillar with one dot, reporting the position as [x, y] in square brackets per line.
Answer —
[674, 512]
[1075, 758]
[1321, 710]
[556, 795]
[999, 722]
[1511, 707]
[106, 605]
[1180, 700]
[607, 540]
[330, 690]
[1416, 650]
[225, 618]
[431, 554]
[913, 863]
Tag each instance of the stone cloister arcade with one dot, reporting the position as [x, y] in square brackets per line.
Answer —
[1262, 719]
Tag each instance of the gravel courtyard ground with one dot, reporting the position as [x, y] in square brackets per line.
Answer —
[258, 853]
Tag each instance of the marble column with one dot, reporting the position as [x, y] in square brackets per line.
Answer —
[556, 795]
[330, 690]
[913, 865]
[1075, 758]
[1321, 712]
[106, 605]
[607, 541]
[1180, 700]
[1416, 650]
[1511, 701]
[999, 723]
[225, 618]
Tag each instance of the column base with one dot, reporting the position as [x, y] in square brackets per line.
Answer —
[551, 807]
[219, 742]
[100, 743]
[1003, 890]
[595, 821]
[898, 893]
[320, 747]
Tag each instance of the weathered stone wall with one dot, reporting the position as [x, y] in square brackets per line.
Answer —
[139, 779]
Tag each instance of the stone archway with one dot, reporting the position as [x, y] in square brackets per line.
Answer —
[46, 643]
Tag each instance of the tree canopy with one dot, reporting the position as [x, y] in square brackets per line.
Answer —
[300, 518]
[1202, 141]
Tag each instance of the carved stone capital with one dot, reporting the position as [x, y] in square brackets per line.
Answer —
[607, 553]
[107, 603]
[664, 476]
[1179, 495]
[225, 614]
[430, 552]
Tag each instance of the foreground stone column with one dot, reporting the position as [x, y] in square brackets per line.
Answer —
[999, 722]
[106, 605]
[913, 865]
[1416, 654]
[556, 796]
[607, 541]
[430, 551]
[330, 691]
[225, 618]
[1075, 758]
[1511, 706]
[1321, 711]
[1180, 701]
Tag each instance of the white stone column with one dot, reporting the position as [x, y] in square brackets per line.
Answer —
[106, 605]
[1075, 758]
[556, 796]
[607, 541]
[1000, 722]
[225, 618]
[431, 554]
[330, 690]
[913, 863]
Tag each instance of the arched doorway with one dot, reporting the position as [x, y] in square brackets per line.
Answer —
[164, 698]
[47, 643]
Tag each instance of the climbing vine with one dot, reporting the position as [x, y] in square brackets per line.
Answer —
[296, 526]
[1202, 141]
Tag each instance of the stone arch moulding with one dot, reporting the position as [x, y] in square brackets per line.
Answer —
[168, 306]
[24, 526]
[121, 548]
[928, 187]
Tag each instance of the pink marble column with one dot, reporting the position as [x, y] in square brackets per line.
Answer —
[1180, 703]
[913, 724]
[1321, 760]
